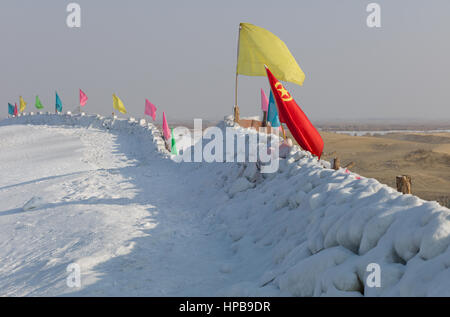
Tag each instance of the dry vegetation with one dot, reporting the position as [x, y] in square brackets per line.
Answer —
[426, 157]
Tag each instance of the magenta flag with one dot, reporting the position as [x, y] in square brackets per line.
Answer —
[83, 98]
[150, 109]
[15, 110]
[264, 101]
[166, 129]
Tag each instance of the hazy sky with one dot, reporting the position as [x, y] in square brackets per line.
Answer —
[181, 55]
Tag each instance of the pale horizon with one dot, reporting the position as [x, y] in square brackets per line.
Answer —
[182, 57]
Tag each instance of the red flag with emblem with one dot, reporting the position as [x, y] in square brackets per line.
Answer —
[298, 123]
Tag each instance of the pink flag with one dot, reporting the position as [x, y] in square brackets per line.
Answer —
[264, 101]
[15, 110]
[150, 109]
[83, 98]
[166, 129]
[348, 172]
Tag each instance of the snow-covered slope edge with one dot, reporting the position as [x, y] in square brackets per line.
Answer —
[131, 125]
[308, 230]
[323, 228]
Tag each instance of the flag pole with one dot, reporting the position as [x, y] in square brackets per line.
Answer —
[276, 105]
[79, 104]
[236, 108]
[282, 129]
[114, 102]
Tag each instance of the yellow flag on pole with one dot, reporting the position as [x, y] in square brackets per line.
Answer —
[259, 47]
[23, 104]
[118, 104]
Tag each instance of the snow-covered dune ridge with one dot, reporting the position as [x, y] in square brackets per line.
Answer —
[131, 125]
[324, 227]
[307, 230]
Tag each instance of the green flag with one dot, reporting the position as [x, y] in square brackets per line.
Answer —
[38, 103]
[174, 145]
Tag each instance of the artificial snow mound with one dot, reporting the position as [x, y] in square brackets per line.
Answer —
[305, 230]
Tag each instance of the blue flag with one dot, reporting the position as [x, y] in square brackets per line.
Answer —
[10, 109]
[58, 103]
[272, 113]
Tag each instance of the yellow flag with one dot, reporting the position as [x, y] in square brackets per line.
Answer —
[118, 104]
[23, 104]
[259, 47]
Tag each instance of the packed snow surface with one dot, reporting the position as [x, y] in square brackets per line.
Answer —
[105, 195]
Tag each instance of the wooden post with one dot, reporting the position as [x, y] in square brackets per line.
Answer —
[264, 121]
[236, 108]
[404, 184]
[167, 145]
[336, 163]
[236, 114]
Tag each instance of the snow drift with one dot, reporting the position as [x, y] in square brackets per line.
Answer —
[305, 230]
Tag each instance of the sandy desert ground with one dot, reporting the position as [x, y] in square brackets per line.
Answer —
[424, 156]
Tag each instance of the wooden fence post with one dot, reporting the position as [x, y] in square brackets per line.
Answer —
[404, 184]
[264, 121]
[336, 163]
[236, 114]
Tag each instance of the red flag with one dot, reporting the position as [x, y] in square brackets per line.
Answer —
[16, 113]
[298, 123]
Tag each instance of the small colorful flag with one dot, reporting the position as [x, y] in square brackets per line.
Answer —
[10, 109]
[16, 112]
[83, 98]
[174, 145]
[38, 103]
[272, 113]
[258, 47]
[58, 105]
[118, 104]
[348, 172]
[166, 130]
[23, 104]
[264, 101]
[150, 109]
